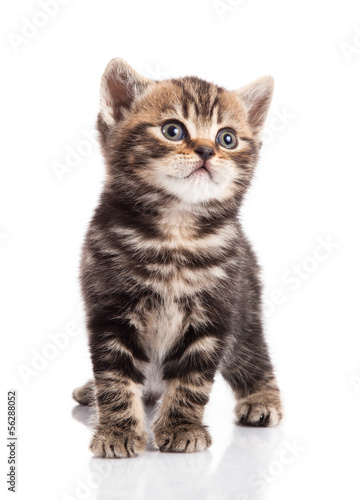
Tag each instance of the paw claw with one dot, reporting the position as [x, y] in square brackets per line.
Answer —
[163, 446]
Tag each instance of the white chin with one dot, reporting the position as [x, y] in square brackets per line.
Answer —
[195, 189]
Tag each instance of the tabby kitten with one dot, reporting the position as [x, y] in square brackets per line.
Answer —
[170, 282]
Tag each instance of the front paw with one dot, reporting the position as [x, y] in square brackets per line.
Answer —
[185, 438]
[115, 442]
[258, 411]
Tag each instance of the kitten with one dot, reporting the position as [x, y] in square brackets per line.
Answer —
[170, 282]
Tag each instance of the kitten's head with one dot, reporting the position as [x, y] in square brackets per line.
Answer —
[184, 138]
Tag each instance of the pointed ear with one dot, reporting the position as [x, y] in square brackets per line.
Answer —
[257, 98]
[120, 86]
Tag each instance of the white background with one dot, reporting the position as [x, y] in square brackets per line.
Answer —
[306, 192]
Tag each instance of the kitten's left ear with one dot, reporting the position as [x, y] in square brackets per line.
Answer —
[256, 98]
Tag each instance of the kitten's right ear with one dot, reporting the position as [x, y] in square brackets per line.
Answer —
[120, 86]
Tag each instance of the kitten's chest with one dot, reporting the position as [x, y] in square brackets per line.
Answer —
[186, 262]
[163, 323]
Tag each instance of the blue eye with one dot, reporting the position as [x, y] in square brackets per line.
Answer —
[227, 138]
[173, 131]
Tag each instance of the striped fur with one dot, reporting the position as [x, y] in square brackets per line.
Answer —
[170, 282]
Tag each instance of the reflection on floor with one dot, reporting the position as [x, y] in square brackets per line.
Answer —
[239, 466]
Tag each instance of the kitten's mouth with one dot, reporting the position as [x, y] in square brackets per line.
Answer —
[202, 170]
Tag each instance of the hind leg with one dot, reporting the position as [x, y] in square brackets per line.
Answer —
[255, 388]
[248, 369]
[85, 394]
[246, 365]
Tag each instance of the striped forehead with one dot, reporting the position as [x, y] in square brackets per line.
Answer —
[196, 103]
[199, 99]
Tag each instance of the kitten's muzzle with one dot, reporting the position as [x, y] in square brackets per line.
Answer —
[204, 166]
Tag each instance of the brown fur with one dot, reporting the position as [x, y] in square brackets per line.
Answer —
[170, 282]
